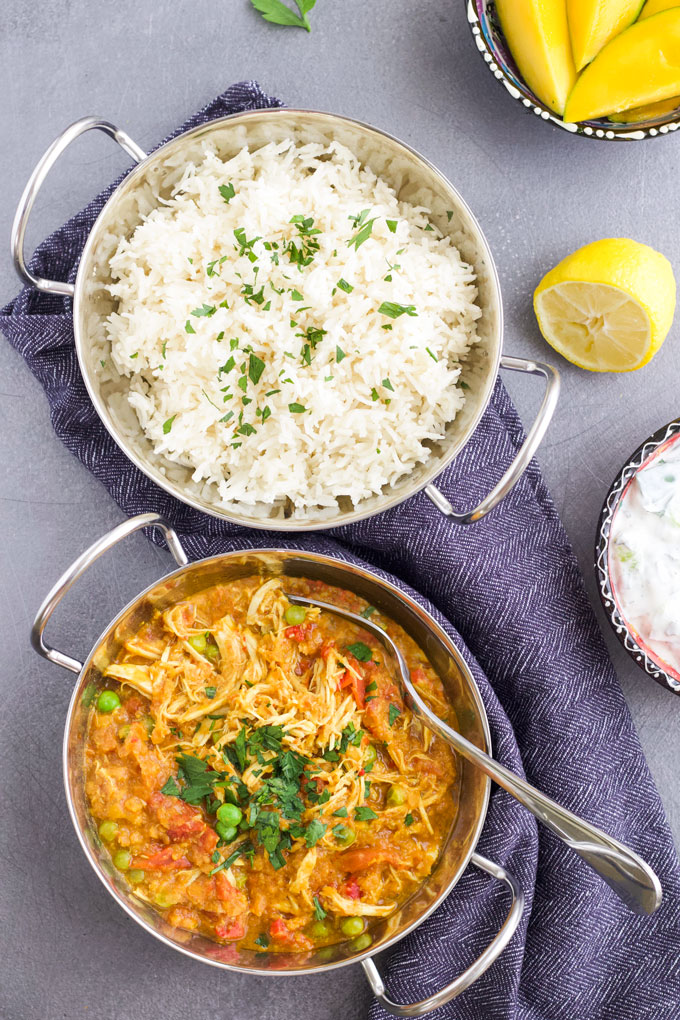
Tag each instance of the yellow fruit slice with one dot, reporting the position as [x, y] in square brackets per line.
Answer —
[649, 112]
[592, 23]
[656, 6]
[640, 66]
[538, 37]
[608, 306]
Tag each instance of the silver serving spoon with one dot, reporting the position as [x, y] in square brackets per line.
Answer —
[622, 869]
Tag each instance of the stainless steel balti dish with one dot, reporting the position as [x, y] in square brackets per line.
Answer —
[459, 848]
[413, 178]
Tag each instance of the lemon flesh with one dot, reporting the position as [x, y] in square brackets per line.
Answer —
[656, 6]
[538, 36]
[608, 306]
[592, 23]
[640, 66]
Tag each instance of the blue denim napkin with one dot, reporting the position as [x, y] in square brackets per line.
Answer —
[509, 592]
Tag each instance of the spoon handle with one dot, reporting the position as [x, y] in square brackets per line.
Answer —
[622, 869]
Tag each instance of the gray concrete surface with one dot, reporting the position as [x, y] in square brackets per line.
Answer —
[414, 70]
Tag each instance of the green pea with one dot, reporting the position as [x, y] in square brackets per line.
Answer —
[327, 953]
[199, 643]
[123, 731]
[149, 724]
[344, 835]
[122, 860]
[370, 755]
[108, 830]
[108, 701]
[295, 614]
[226, 832]
[165, 899]
[352, 925]
[212, 652]
[319, 930]
[396, 796]
[136, 875]
[363, 942]
[229, 814]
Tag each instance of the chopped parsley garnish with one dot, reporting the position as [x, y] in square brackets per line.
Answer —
[210, 692]
[340, 813]
[339, 355]
[255, 368]
[363, 234]
[227, 191]
[296, 295]
[408, 820]
[319, 912]
[391, 226]
[433, 356]
[314, 832]
[277, 13]
[246, 429]
[205, 311]
[393, 714]
[360, 651]
[297, 408]
[368, 611]
[374, 394]
[188, 328]
[167, 425]
[344, 285]
[449, 214]
[245, 246]
[262, 940]
[364, 814]
[387, 384]
[463, 385]
[394, 310]
[304, 254]
[170, 789]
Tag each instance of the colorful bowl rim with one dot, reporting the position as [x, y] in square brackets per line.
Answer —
[499, 61]
[637, 651]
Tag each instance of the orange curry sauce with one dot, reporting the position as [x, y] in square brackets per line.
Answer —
[339, 800]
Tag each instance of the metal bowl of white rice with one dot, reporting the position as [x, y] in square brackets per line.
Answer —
[288, 319]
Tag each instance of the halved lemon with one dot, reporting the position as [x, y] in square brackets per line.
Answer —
[608, 306]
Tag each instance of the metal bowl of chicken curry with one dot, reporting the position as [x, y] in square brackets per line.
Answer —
[247, 779]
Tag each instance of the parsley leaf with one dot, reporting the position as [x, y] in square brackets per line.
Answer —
[344, 285]
[297, 408]
[314, 832]
[394, 309]
[368, 611]
[278, 14]
[341, 812]
[408, 820]
[339, 355]
[255, 368]
[319, 912]
[393, 714]
[205, 311]
[360, 651]
[262, 940]
[363, 234]
[167, 425]
[210, 692]
[391, 226]
[364, 814]
[170, 789]
[227, 191]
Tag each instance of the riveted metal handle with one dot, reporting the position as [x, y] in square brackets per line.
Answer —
[84, 561]
[35, 183]
[523, 458]
[474, 971]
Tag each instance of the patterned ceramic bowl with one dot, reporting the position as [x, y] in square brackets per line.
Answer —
[627, 635]
[486, 30]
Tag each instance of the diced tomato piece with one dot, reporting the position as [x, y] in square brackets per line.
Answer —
[363, 857]
[351, 889]
[230, 930]
[357, 683]
[225, 954]
[181, 820]
[229, 894]
[163, 860]
[208, 841]
[280, 932]
[298, 632]
[133, 704]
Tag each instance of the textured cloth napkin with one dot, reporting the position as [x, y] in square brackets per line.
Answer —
[509, 592]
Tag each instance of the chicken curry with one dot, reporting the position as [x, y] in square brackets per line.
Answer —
[256, 774]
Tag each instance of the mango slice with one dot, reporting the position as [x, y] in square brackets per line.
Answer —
[656, 6]
[640, 66]
[649, 112]
[538, 36]
[592, 23]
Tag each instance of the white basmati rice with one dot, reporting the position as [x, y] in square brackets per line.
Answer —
[221, 341]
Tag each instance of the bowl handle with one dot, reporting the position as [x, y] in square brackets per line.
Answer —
[475, 970]
[35, 182]
[79, 567]
[523, 458]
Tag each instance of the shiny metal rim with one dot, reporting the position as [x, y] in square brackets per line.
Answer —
[351, 569]
[283, 524]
